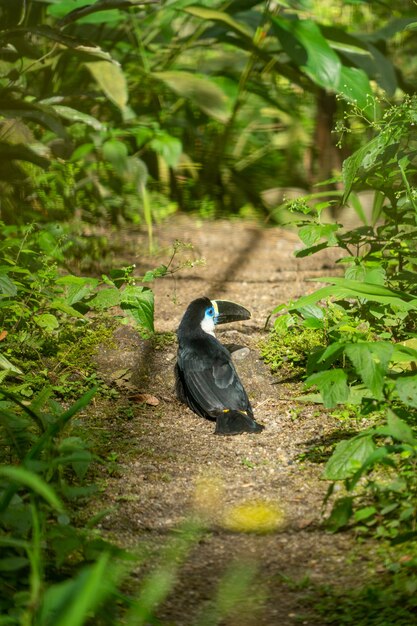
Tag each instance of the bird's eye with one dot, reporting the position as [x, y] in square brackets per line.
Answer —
[210, 312]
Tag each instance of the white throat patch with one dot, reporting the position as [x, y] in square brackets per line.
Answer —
[207, 324]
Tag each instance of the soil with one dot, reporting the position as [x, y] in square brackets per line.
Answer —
[171, 467]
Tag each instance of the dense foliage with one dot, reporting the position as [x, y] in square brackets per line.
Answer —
[364, 322]
[110, 110]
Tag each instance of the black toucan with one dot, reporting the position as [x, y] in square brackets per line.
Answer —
[206, 379]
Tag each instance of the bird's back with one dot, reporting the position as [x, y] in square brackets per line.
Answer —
[207, 379]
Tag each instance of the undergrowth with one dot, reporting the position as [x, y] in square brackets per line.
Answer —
[290, 349]
[356, 339]
[387, 601]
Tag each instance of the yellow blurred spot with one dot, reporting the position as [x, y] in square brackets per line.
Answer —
[254, 516]
[208, 496]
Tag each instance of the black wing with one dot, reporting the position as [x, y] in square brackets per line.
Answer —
[208, 381]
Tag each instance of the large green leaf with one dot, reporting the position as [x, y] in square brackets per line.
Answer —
[371, 361]
[348, 456]
[313, 233]
[139, 302]
[377, 66]
[355, 86]
[345, 288]
[25, 478]
[77, 287]
[332, 385]
[111, 79]
[200, 90]
[342, 41]
[105, 299]
[362, 54]
[309, 50]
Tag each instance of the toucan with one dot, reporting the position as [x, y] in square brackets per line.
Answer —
[205, 377]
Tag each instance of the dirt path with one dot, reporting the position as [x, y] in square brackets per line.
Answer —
[172, 465]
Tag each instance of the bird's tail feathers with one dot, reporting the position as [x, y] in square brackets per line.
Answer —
[233, 422]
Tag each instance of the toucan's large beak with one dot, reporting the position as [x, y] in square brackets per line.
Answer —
[226, 311]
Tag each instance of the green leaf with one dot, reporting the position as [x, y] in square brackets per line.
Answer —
[300, 254]
[378, 67]
[321, 294]
[348, 457]
[375, 275]
[355, 86]
[283, 322]
[312, 233]
[169, 147]
[332, 385]
[399, 429]
[64, 307]
[110, 78]
[367, 156]
[200, 90]
[116, 153]
[73, 115]
[73, 602]
[340, 515]
[92, 11]
[77, 287]
[371, 361]
[64, 540]
[306, 46]
[363, 288]
[406, 387]
[345, 42]
[219, 16]
[7, 286]
[7, 365]
[105, 299]
[13, 563]
[33, 482]
[345, 288]
[405, 354]
[322, 358]
[57, 426]
[364, 513]
[46, 321]
[139, 302]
